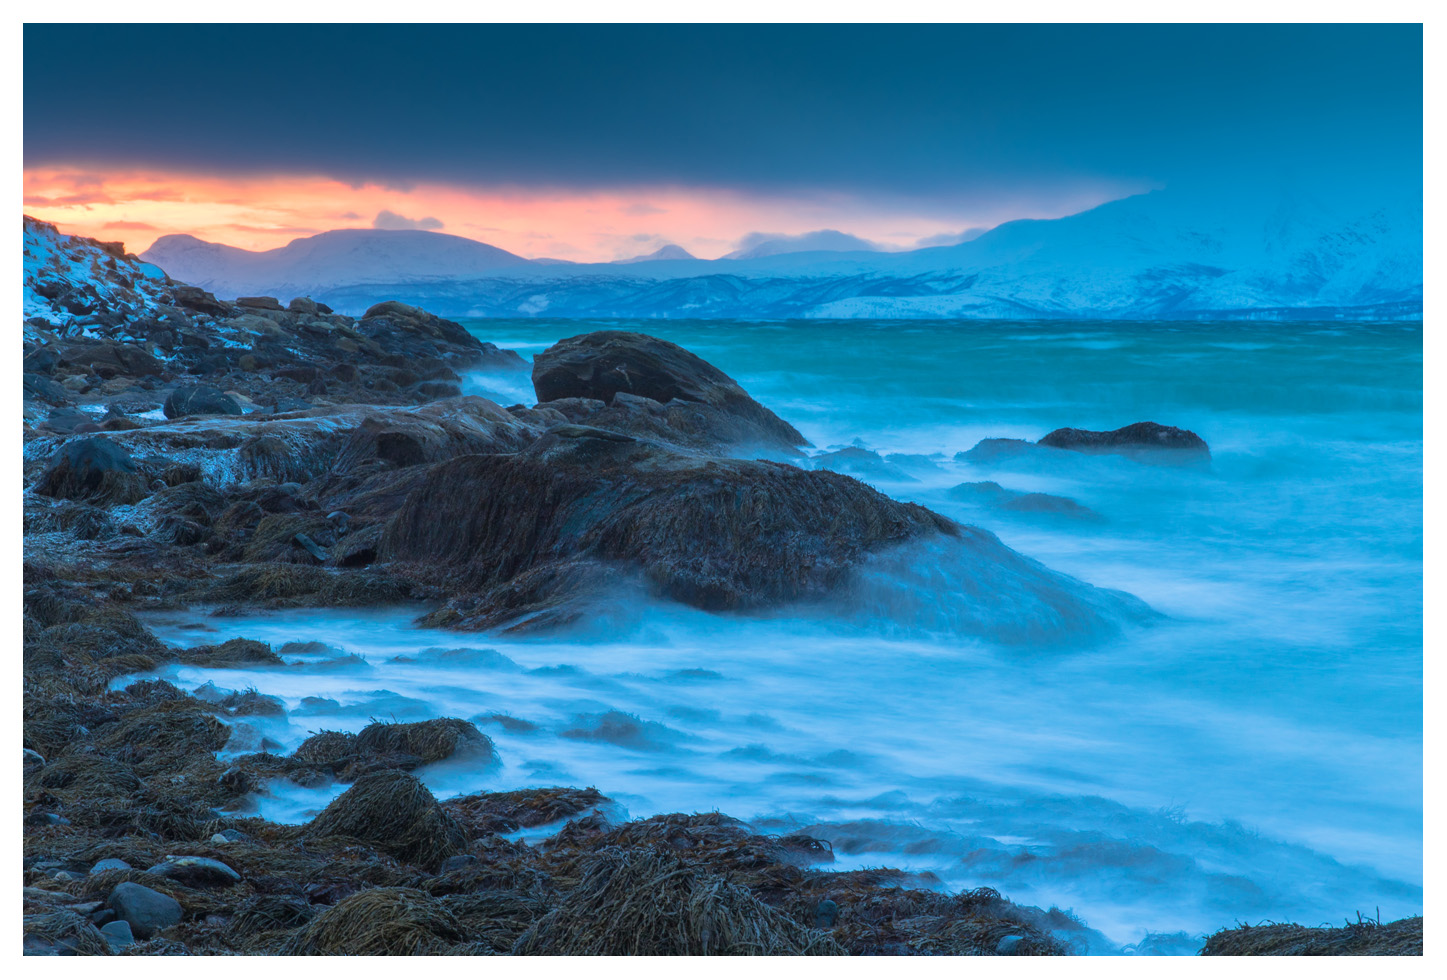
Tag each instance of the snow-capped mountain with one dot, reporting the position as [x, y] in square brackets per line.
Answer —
[1159, 255]
[321, 262]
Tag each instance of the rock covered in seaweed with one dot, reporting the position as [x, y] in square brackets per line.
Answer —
[582, 504]
[94, 469]
[393, 812]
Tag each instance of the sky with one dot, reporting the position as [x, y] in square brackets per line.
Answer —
[595, 142]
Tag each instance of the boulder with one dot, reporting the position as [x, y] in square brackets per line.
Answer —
[1139, 436]
[145, 910]
[581, 505]
[605, 363]
[95, 470]
[109, 360]
[40, 388]
[302, 304]
[199, 400]
[376, 321]
[196, 298]
[258, 302]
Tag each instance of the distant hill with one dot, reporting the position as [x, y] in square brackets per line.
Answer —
[313, 265]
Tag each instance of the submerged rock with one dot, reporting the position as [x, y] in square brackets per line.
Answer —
[863, 463]
[991, 494]
[656, 388]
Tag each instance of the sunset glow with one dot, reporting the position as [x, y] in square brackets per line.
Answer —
[267, 211]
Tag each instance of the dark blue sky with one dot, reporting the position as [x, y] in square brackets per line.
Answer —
[911, 111]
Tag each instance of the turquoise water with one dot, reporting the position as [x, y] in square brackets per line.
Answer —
[1255, 753]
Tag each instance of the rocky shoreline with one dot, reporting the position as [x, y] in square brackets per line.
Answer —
[182, 451]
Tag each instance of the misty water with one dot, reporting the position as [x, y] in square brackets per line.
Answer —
[1253, 752]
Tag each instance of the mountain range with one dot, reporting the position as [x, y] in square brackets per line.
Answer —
[1161, 255]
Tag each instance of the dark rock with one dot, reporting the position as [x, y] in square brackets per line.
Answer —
[197, 872]
[39, 388]
[302, 304]
[96, 470]
[199, 400]
[393, 812]
[417, 320]
[456, 863]
[197, 298]
[1140, 435]
[430, 390]
[258, 302]
[566, 515]
[66, 420]
[109, 360]
[600, 365]
[40, 359]
[146, 910]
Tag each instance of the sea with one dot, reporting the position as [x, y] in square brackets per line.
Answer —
[1250, 752]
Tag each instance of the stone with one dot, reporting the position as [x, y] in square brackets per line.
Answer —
[303, 304]
[826, 914]
[1140, 435]
[602, 364]
[146, 910]
[456, 863]
[118, 933]
[258, 302]
[108, 864]
[189, 400]
[195, 871]
[196, 298]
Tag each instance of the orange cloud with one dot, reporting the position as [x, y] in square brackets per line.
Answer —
[268, 211]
